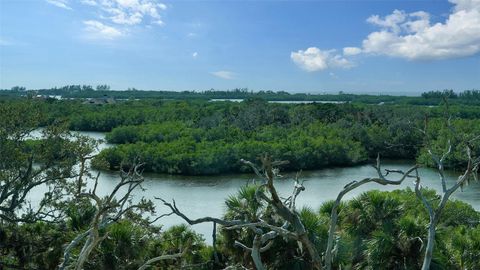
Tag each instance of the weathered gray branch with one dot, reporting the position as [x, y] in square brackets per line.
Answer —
[381, 179]
[256, 249]
[289, 215]
[286, 210]
[151, 261]
[434, 214]
[173, 207]
[108, 210]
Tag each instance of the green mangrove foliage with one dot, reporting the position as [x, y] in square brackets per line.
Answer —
[176, 148]
[214, 137]
[458, 132]
[201, 137]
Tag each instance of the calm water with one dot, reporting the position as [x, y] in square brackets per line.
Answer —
[205, 196]
[282, 101]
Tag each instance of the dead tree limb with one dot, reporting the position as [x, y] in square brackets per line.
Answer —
[435, 213]
[163, 257]
[284, 209]
[109, 209]
[258, 246]
[285, 212]
[381, 179]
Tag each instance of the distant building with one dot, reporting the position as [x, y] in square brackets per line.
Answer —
[57, 97]
[100, 101]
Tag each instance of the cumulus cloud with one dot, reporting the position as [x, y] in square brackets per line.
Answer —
[162, 6]
[98, 30]
[351, 51]
[159, 22]
[413, 36]
[223, 74]
[390, 21]
[129, 12]
[314, 59]
[59, 3]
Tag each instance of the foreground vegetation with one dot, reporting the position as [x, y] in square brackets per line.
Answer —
[376, 230]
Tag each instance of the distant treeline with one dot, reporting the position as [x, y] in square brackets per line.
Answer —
[450, 94]
[88, 91]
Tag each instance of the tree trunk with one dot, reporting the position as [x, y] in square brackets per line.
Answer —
[82, 257]
[331, 234]
[257, 259]
[430, 243]
[312, 251]
[214, 243]
[90, 244]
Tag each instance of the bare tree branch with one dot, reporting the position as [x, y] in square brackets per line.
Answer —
[151, 261]
[381, 179]
[434, 214]
[109, 210]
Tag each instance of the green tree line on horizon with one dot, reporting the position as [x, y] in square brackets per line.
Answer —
[471, 96]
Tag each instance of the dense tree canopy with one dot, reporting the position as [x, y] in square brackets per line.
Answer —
[199, 137]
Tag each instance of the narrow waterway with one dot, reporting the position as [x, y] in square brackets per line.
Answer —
[204, 196]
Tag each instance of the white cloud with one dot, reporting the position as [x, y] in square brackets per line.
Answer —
[118, 16]
[59, 3]
[129, 12]
[115, 16]
[89, 2]
[412, 36]
[347, 51]
[227, 75]
[466, 4]
[195, 55]
[314, 59]
[390, 21]
[159, 22]
[98, 30]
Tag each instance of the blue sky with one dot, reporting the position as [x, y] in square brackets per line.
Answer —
[385, 46]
